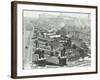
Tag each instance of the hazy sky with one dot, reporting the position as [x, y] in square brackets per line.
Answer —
[35, 14]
